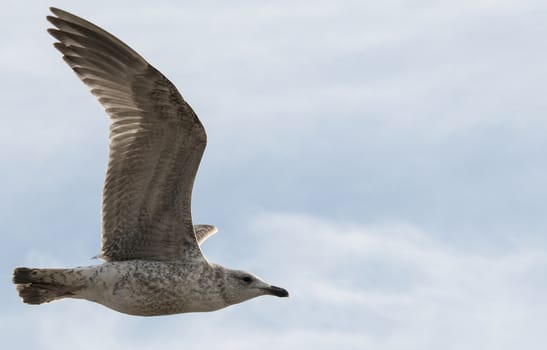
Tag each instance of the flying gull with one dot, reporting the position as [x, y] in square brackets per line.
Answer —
[153, 264]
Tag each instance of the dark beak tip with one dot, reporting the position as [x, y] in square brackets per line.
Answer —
[283, 294]
[279, 292]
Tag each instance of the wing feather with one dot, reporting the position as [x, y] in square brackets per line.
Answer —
[156, 144]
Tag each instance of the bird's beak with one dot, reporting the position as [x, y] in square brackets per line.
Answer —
[277, 291]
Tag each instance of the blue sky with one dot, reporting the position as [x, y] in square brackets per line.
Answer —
[383, 161]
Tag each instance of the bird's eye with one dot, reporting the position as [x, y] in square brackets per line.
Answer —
[247, 279]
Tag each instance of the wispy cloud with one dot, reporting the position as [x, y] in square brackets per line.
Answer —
[420, 123]
[400, 285]
[383, 286]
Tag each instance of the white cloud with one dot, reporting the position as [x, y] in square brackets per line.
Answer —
[382, 286]
[411, 288]
[425, 68]
[374, 102]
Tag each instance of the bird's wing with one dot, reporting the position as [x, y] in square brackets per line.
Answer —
[156, 144]
[204, 231]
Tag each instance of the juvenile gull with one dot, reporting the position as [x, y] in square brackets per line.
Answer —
[153, 262]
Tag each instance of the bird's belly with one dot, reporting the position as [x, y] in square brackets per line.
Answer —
[152, 288]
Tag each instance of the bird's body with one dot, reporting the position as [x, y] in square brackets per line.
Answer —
[144, 288]
[154, 265]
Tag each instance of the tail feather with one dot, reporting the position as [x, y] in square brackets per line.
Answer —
[38, 286]
[23, 275]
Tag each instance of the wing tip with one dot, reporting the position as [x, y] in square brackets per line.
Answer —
[58, 12]
[51, 19]
[53, 31]
[59, 46]
[57, 34]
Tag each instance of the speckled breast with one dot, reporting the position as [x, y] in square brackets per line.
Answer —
[148, 288]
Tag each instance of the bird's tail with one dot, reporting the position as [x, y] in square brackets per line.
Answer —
[38, 286]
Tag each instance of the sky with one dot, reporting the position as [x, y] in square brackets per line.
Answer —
[383, 161]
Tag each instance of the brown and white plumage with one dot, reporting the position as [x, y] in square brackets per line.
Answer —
[154, 265]
[156, 144]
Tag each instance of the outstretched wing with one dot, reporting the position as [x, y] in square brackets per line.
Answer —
[156, 144]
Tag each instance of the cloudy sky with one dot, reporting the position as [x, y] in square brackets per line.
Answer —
[385, 161]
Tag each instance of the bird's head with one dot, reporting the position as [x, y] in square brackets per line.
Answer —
[240, 286]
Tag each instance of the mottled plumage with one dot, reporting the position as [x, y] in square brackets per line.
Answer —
[154, 265]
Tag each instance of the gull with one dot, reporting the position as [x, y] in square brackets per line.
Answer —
[153, 264]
